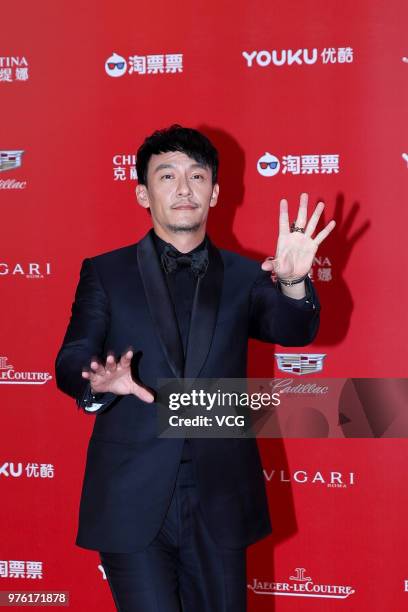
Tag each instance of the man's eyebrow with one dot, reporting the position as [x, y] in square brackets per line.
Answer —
[162, 167]
[198, 165]
[195, 165]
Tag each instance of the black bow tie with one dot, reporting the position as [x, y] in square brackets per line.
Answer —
[172, 260]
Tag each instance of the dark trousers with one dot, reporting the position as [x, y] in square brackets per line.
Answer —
[182, 569]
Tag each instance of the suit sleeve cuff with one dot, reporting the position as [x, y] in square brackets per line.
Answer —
[95, 402]
[308, 302]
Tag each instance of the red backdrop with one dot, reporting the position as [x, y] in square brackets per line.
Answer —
[319, 86]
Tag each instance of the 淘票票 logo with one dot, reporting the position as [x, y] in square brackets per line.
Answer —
[170, 63]
[21, 569]
[300, 363]
[269, 165]
[301, 585]
[10, 376]
[115, 65]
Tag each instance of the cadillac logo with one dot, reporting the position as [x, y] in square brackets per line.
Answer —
[9, 160]
[300, 363]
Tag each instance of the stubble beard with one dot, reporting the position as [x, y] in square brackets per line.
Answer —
[183, 228]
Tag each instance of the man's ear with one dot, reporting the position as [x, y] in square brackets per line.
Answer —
[214, 195]
[142, 196]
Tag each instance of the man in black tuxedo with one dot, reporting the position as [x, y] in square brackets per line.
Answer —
[171, 518]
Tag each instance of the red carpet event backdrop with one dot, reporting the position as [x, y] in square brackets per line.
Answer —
[298, 97]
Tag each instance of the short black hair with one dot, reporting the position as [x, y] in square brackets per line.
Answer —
[177, 138]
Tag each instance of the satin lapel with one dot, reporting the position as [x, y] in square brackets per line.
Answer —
[160, 304]
[204, 314]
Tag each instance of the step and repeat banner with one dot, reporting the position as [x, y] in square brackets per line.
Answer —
[298, 97]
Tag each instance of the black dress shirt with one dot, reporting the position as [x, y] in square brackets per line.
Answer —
[182, 285]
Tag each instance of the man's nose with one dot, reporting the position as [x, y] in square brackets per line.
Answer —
[183, 187]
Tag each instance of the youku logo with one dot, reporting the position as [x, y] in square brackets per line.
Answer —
[10, 376]
[298, 57]
[11, 160]
[301, 585]
[31, 470]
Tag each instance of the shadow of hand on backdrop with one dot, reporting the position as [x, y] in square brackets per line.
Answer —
[335, 296]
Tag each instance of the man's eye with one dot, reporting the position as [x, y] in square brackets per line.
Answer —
[167, 176]
[197, 176]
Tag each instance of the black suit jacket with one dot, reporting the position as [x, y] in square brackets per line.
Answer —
[122, 300]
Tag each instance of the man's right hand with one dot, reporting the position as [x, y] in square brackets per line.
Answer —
[116, 377]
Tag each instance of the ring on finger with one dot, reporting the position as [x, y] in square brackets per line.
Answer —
[296, 228]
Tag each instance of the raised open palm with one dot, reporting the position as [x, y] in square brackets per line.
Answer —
[296, 249]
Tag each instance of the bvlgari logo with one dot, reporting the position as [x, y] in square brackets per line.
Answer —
[31, 270]
[10, 376]
[301, 585]
[300, 363]
[334, 480]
